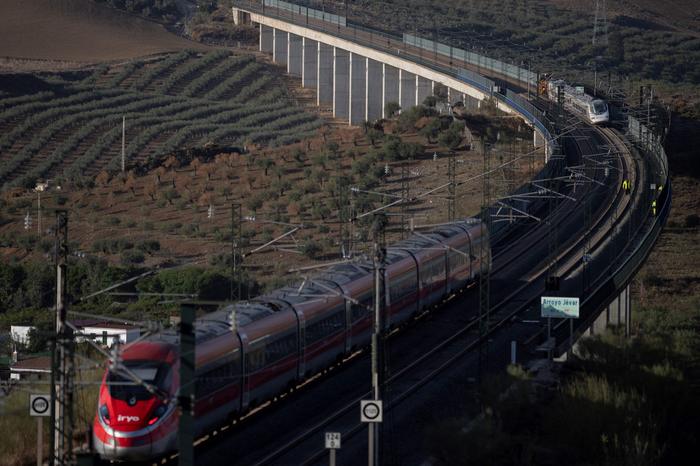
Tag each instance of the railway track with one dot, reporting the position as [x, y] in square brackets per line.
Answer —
[411, 378]
[446, 345]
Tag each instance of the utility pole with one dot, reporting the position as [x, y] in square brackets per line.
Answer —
[451, 189]
[123, 143]
[236, 234]
[39, 188]
[353, 221]
[187, 386]
[484, 264]
[374, 451]
[62, 366]
[600, 24]
[345, 215]
[405, 193]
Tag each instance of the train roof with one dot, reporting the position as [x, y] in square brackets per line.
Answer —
[218, 322]
[573, 93]
[306, 291]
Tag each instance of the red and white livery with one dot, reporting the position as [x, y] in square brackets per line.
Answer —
[278, 339]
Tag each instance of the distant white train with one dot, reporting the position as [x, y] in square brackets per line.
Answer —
[575, 99]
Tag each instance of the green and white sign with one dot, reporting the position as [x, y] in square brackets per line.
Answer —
[559, 307]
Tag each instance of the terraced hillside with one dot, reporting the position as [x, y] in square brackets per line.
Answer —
[70, 126]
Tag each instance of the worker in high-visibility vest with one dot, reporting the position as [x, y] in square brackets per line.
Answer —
[653, 207]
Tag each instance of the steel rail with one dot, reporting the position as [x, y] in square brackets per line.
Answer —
[601, 223]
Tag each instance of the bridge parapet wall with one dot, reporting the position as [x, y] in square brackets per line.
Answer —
[419, 74]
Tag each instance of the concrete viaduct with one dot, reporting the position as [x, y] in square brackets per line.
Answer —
[358, 74]
[359, 80]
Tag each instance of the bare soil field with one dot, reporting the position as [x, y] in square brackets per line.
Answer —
[79, 31]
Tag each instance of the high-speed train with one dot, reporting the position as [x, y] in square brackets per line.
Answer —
[276, 340]
[594, 110]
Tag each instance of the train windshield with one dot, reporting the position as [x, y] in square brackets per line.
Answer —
[122, 385]
[599, 107]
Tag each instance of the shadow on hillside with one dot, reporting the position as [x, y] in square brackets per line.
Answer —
[681, 146]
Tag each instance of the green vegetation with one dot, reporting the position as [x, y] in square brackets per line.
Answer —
[177, 100]
[625, 401]
[538, 31]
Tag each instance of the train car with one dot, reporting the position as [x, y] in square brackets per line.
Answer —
[321, 324]
[459, 255]
[355, 280]
[134, 421]
[269, 334]
[248, 352]
[402, 296]
[594, 110]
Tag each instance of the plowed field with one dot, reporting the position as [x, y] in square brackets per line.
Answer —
[79, 31]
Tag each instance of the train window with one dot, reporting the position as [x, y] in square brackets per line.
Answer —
[325, 327]
[280, 348]
[599, 107]
[433, 269]
[123, 387]
[255, 359]
[218, 377]
[402, 286]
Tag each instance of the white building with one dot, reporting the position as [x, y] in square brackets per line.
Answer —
[105, 333]
[20, 333]
[35, 368]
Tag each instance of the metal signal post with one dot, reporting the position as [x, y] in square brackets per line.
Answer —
[374, 450]
[484, 272]
[451, 169]
[187, 386]
[236, 234]
[62, 356]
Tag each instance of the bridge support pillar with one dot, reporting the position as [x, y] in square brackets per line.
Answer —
[266, 38]
[407, 89]
[470, 103]
[454, 96]
[279, 46]
[341, 83]
[424, 88]
[358, 89]
[309, 60]
[390, 86]
[294, 55]
[617, 314]
[324, 74]
[374, 83]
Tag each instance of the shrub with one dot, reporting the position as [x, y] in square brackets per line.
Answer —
[149, 246]
[132, 257]
[310, 248]
[391, 108]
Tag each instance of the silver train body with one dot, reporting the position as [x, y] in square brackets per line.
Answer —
[595, 111]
